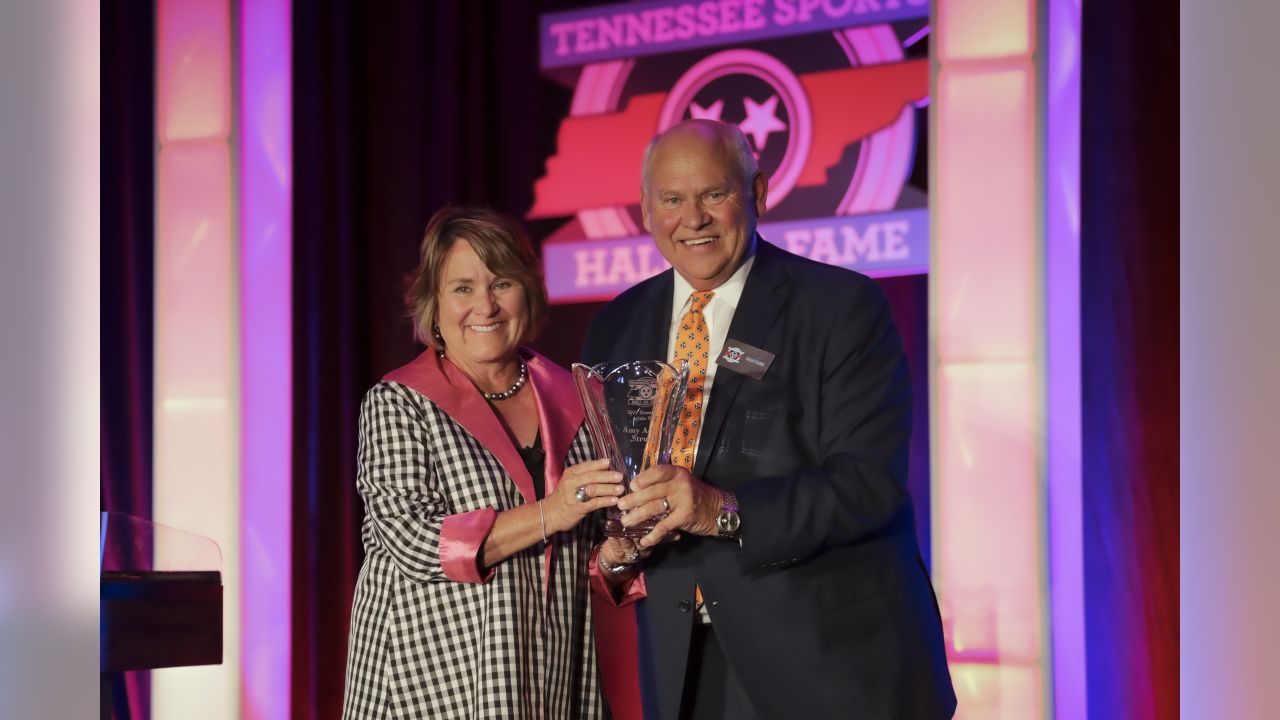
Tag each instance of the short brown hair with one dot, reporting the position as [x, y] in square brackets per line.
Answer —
[501, 245]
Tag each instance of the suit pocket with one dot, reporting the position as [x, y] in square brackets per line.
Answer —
[765, 432]
[854, 582]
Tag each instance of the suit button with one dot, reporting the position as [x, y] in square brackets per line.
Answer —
[685, 606]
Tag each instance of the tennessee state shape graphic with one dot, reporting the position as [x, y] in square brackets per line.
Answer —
[846, 105]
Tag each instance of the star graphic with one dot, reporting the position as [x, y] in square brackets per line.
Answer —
[761, 120]
[712, 112]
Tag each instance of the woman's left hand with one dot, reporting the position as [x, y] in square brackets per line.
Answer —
[583, 489]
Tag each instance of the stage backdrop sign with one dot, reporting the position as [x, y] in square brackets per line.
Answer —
[831, 94]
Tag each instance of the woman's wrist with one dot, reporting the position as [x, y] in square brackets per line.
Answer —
[555, 517]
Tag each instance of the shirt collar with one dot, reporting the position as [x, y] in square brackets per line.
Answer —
[730, 291]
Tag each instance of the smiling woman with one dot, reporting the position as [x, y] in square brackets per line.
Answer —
[484, 288]
[480, 499]
[499, 247]
[481, 316]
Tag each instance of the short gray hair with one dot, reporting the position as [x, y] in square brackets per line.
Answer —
[729, 136]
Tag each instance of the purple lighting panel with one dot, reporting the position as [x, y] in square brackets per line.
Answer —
[265, 356]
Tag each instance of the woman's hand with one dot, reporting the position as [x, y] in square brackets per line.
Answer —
[583, 489]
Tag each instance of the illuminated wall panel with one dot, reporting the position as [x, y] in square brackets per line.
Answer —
[264, 137]
[985, 122]
[994, 692]
[196, 449]
[1004, 346]
[196, 481]
[193, 270]
[988, 444]
[984, 29]
[193, 70]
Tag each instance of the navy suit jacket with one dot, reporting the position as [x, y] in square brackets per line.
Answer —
[825, 610]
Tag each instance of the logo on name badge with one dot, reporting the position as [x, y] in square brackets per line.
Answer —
[746, 359]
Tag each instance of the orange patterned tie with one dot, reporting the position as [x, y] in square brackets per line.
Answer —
[693, 343]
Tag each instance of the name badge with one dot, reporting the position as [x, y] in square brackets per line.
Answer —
[746, 359]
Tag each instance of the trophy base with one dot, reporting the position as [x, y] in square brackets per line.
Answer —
[613, 527]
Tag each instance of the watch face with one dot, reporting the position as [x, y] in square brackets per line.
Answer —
[728, 523]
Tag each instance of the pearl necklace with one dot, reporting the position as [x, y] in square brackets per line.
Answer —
[515, 386]
[509, 392]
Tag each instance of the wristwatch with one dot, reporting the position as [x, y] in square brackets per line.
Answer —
[728, 523]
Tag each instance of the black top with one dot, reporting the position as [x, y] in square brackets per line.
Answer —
[535, 459]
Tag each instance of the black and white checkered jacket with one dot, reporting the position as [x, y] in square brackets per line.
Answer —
[430, 637]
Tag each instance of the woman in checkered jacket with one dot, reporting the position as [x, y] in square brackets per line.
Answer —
[479, 492]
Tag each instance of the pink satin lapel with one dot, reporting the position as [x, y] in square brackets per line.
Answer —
[446, 386]
[559, 412]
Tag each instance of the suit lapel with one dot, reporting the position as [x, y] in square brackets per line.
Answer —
[445, 385]
[559, 412]
[647, 339]
[763, 297]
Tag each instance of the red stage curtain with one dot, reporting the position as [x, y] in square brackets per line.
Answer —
[1129, 315]
[128, 147]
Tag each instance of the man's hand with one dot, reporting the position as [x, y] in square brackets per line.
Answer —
[692, 505]
[622, 551]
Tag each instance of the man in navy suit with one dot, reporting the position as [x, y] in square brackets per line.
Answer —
[794, 585]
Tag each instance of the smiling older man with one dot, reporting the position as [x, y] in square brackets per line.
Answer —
[795, 587]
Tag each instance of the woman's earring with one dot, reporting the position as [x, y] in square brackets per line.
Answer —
[435, 333]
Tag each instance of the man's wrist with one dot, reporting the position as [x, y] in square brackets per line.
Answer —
[728, 522]
[612, 568]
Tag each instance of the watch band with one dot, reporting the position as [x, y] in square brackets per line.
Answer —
[728, 502]
[729, 524]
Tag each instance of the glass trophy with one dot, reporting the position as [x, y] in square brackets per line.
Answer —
[632, 411]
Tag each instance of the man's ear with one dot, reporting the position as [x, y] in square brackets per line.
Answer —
[644, 209]
[760, 188]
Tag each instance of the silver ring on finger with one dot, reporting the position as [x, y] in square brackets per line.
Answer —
[582, 496]
[666, 506]
[632, 556]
